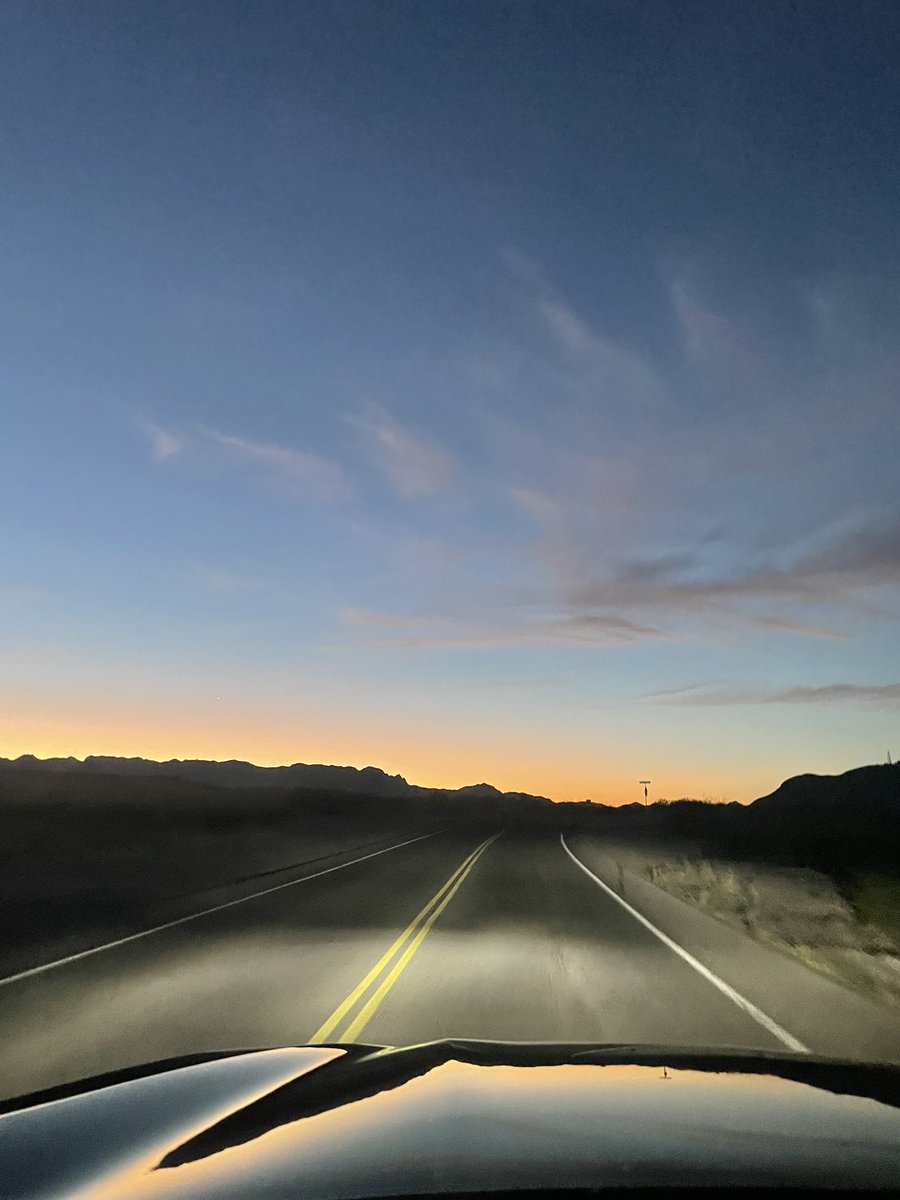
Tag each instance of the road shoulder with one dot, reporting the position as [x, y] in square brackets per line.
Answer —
[827, 1018]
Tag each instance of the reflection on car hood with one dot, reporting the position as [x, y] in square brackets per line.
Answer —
[454, 1116]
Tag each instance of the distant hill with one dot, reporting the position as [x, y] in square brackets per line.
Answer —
[840, 824]
[836, 822]
[806, 809]
[864, 789]
[364, 781]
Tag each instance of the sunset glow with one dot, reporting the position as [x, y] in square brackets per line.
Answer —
[541, 432]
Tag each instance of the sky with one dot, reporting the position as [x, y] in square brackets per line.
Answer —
[483, 391]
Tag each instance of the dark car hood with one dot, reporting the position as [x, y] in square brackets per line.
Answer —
[454, 1116]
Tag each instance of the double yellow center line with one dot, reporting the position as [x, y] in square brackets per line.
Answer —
[404, 948]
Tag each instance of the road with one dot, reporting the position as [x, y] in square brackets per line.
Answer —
[482, 934]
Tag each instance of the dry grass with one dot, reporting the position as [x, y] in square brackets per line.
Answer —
[795, 910]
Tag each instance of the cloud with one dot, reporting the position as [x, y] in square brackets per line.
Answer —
[544, 509]
[299, 470]
[219, 580]
[838, 694]
[163, 443]
[414, 466]
[879, 695]
[606, 629]
[527, 684]
[709, 340]
[676, 694]
[846, 569]
[608, 367]
[594, 361]
[416, 631]
[854, 564]
[791, 625]
[368, 619]
[625, 518]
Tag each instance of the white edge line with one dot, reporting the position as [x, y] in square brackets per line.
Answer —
[742, 1002]
[133, 937]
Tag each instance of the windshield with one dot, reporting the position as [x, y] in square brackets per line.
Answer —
[451, 541]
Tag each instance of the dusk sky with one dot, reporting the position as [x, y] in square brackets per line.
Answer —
[483, 391]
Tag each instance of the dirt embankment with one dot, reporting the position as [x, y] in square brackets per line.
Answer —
[855, 940]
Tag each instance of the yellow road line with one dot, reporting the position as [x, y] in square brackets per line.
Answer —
[355, 1028]
[327, 1028]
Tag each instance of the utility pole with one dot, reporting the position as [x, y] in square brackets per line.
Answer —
[646, 783]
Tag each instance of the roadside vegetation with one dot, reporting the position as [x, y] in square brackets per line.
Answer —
[812, 869]
[799, 911]
[876, 901]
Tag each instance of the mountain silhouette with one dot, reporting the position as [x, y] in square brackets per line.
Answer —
[234, 773]
[869, 790]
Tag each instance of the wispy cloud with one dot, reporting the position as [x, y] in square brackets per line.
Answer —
[852, 566]
[543, 508]
[413, 465]
[163, 442]
[709, 339]
[610, 368]
[803, 628]
[626, 517]
[527, 684]
[603, 366]
[365, 618]
[837, 694]
[298, 471]
[219, 580]
[415, 631]
[815, 586]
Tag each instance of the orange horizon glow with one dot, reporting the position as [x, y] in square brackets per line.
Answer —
[422, 757]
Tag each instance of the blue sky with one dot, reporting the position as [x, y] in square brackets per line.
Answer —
[500, 391]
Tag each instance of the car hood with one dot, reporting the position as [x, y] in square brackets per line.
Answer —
[454, 1116]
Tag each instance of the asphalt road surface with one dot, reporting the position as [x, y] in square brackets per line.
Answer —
[487, 934]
